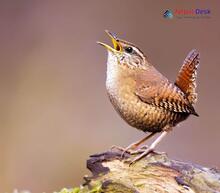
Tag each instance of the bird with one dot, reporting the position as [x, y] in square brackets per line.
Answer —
[145, 98]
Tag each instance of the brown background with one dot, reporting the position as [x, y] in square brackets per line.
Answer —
[54, 109]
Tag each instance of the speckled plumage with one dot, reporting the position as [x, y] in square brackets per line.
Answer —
[143, 97]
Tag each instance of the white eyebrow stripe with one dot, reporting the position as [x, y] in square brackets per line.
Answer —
[139, 52]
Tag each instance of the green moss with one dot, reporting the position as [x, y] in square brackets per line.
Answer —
[65, 190]
[97, 188]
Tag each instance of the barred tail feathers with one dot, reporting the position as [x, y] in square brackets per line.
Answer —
[186, 79]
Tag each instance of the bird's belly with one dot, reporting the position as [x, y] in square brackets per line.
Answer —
[141, 115]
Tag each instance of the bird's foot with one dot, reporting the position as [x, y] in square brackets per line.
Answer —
[117, 148]
[144, 151]
[130, 149]
[133, 152]
[143, 154]
[138, 151]
[121, 149]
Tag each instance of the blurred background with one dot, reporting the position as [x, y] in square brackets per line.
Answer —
[54, 111]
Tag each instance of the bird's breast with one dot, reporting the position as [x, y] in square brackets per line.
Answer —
[120, 85]
[119, 79]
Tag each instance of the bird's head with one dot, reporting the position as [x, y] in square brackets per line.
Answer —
[124, 53]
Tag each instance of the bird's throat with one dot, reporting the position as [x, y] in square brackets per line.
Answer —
[113, 70]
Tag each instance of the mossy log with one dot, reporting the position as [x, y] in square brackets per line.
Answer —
[154, 174]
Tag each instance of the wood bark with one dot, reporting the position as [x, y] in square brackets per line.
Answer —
[155, 173]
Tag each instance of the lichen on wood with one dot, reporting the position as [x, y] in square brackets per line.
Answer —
[154, 174]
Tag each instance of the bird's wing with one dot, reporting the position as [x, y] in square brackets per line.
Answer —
[154, 89]
[186, 79]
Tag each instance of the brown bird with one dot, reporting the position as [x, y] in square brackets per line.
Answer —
[145, 98]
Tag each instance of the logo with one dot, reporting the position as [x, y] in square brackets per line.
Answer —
[168, 14]
[187, 13]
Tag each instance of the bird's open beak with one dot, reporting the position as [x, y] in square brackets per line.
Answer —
[116, 45]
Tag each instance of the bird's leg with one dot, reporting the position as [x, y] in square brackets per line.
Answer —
[138, 151]
[143, 149]
[151, 148]
[136, 144]
[133, 146]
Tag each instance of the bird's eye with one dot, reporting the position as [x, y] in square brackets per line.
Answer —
[129, 49]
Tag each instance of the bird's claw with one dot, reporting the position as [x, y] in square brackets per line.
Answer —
[131, 149]
[124, 150]
[116, 147]
[143, 154]
[143, 151]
